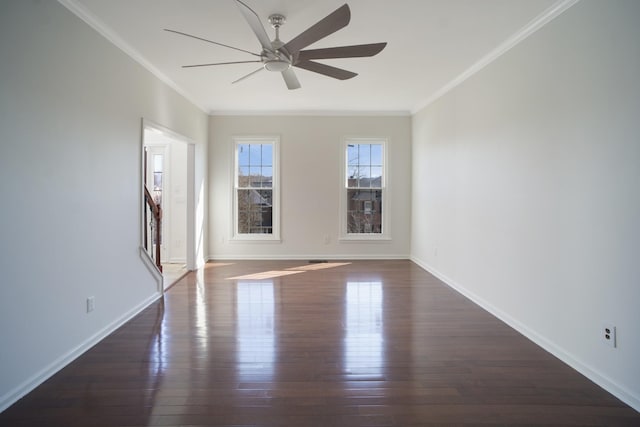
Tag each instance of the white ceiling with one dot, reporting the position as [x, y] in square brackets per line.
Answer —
[431, 43]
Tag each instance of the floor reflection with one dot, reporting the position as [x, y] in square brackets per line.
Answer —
[363, 354]
[201, 324]
[158, 347]
[255, 329]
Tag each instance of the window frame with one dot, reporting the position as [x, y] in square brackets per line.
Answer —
[345, 236]
[274, 236]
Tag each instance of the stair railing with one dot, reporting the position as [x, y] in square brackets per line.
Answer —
[152, 239]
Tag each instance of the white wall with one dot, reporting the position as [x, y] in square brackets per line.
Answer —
[525, 192]
[178, 187]
[71, 106]
[310, 176]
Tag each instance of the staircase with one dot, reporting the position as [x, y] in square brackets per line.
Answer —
[153, 228]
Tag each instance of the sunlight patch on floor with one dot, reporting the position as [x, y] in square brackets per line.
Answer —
[212, 264]
[264, 275]
[318, 266]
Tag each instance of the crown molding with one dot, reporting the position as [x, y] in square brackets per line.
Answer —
[307, 113]
[89, 18]
[534, 25]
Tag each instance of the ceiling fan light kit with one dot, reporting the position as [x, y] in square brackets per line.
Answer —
[280, 57]
[277, 65]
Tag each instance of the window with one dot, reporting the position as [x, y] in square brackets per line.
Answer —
[157, 178]
[255, 193]
[363, 195]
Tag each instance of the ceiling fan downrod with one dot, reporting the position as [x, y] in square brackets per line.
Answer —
[277, 60]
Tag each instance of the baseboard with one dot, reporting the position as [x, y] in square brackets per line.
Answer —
[342, 257]
[619, 391]
[34, 381]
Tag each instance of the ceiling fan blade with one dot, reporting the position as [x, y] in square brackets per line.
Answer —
[210, 41]
[219, 63]
[356, 51]
[336, 20]
[254, 22]
[327, 70]
[290, 79]
[248, 75]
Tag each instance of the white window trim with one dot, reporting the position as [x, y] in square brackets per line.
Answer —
[274, 237]
[345, 237]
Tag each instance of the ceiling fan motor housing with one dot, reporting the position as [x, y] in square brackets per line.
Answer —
[276, 60]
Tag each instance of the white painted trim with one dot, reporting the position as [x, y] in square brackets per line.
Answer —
[365, 238]
[89, 18]
[192, 214]
[298, 257]
[169, 133]
[258, 239]
[38, 378]
[618, 390]
[534, 25]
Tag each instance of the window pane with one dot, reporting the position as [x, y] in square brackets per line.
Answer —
[364, 154]
[267, 176]
[157, 180]
[256, 173]
[352, 172]
[157, 162]
[376, 154]
[352, 154]
[364, 211]
[255, 212]
[364, 167]
[243, 154]
[376, 176]
[267, 155]
[255, 154]
[352, 176]
[244, 181]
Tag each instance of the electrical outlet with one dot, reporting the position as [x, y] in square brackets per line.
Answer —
[91, 304]
[609, 334]
[327, 239]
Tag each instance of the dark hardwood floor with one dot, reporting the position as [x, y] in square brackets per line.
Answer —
[369, 343]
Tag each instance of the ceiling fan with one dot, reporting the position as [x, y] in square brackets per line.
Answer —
[280, 57]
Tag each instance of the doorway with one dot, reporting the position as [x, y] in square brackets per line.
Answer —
[166, 177]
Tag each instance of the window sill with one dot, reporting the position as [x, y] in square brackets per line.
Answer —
[254, 239]
[368, 238]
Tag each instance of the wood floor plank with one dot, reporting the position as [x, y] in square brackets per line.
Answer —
[362, 343]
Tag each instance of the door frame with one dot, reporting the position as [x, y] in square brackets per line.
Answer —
[191, 238]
